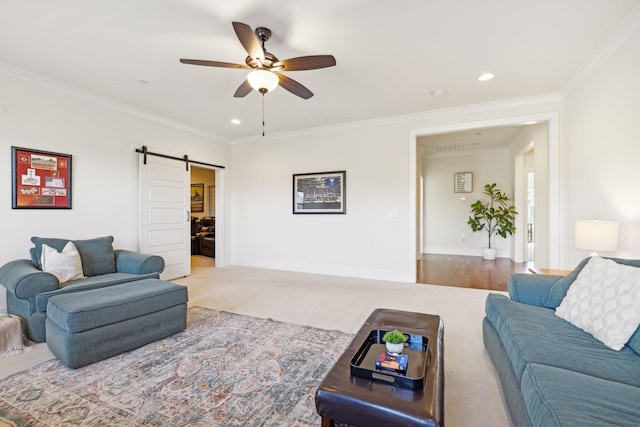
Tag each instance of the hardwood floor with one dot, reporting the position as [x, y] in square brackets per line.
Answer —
[467, 271]
[445, 270]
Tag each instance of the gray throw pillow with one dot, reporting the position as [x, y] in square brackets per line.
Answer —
[97, 254]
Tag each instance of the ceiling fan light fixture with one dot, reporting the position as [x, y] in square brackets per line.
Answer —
[263, 80]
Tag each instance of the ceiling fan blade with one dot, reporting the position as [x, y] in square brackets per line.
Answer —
[294, 87]
[312, 62]
[213, 63]
[249, 40]
[243, 90]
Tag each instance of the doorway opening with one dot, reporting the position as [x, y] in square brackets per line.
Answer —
[203, 216]
[531, 212]
[453, 239]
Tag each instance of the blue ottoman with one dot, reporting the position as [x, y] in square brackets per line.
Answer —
[86, 327]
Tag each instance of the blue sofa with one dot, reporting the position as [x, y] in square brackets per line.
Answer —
[553, 373]
[29, 288]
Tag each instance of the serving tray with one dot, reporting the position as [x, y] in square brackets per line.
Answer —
[363, 363]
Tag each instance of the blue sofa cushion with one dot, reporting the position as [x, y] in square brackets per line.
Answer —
[83, 311]
[89, 283]
[559, 397]
[634, 342]
[97, 254]
[560, 288]
[533, 334]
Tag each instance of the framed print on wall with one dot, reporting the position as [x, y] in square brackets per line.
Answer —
[40, 179]
[197, 197]
[320, 193]
[463, 182]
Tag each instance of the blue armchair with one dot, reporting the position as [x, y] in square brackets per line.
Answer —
[29, 288]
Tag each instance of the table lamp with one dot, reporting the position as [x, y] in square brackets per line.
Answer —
[596, 235]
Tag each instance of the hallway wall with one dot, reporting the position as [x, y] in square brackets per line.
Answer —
[446, 213]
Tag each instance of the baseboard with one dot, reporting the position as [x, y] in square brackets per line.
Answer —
[502, 253]
[331, 270]
[3, 309]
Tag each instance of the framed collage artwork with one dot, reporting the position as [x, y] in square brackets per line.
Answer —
[40, 179]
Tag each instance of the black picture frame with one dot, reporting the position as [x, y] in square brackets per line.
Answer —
[40, 179]
[320, 193]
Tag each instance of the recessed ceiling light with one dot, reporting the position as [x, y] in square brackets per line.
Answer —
[236, 121]
[485, 77]
[437, 92]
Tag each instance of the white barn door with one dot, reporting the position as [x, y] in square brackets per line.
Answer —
[165, 213]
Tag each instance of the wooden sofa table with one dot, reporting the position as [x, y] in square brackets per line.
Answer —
[348, 399]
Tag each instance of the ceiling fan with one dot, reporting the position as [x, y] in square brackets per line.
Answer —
[267, 69]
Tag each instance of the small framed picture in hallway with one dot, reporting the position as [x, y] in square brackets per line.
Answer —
[463, 182]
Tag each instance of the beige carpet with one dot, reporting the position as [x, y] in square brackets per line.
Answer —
[472, 391]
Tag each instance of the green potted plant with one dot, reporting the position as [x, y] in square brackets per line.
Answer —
[394, 340]
[496, 216]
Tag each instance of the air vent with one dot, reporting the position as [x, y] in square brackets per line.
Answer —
[448, 148]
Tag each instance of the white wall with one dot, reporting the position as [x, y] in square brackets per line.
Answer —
[602, 154]
[599, 173]
[533, 137]
[446, 213]
[380, 159]
[364, 242]
[105, 176]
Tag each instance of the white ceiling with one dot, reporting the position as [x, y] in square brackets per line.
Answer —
[390, 55]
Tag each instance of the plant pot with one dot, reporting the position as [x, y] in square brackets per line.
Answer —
[489, 253]
[395, 348]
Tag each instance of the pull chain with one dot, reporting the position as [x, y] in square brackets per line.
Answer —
[263, 91]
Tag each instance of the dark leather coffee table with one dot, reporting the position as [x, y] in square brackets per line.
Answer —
[347, 399]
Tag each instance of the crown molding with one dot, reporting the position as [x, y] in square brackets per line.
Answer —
[504, 104]
[67, 89]
[628, 28]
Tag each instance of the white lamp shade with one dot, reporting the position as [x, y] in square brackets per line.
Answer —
[263, 79]
[596, 235]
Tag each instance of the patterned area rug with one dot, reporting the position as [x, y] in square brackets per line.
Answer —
[224, 370]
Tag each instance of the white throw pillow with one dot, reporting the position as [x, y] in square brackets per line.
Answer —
[604, 300]
[65, 265]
